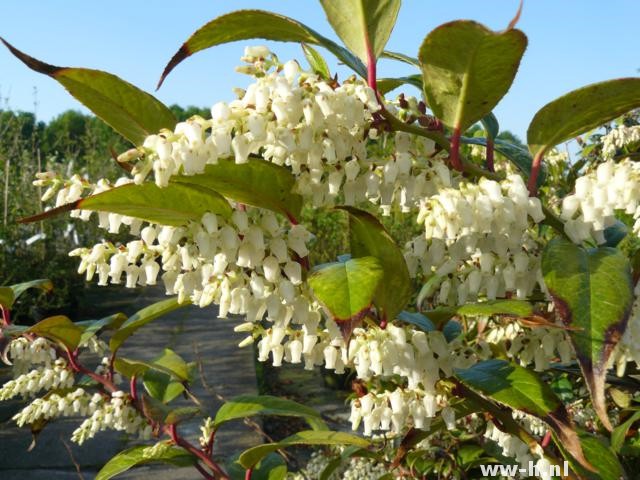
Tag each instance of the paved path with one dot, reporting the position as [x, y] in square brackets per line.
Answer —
[191, 332]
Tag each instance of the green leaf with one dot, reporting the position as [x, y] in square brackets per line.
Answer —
[368, 238]
[581, 110]
[516, 154]
[141, 318]
[490, 125]
[8, 295]
[514, 308]
[417, 319]
[385, 85]
[168, 362]
[363, 25]
[401, 57]
[123, 461]
[620, 432]
[593, 293]
[604, 461]
[467, 69]
[347, 289]
[257, 182]
[511, 385]
[615, 233]
[174, 205]
[271, 467]
[92, 327]
[522, 389]
[316, 61]
[173, 363]
[131, 112]
[161, 386]
[59, 329]
[249, 24]
[252, 456]
[245, 406]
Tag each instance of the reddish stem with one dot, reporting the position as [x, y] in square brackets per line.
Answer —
[133, 388]
[490, 154]
[383, 321]
[181, 442]
[371, 69]
[454, 154]
[535, 170]
[292, 219]
[546, 440]
[107, 384]
[209, 447]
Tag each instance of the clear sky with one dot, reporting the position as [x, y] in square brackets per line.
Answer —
[571, 43]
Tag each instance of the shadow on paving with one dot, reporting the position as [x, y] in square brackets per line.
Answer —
[196, 335]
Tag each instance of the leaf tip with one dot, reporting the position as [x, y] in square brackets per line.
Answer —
[32, 63]
[514, 21]
[179, 56]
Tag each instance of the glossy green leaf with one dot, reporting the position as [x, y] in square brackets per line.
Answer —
[368, 238]
[512, 385]
[517, 155]
[581, 110]
[257, 182]
[161, 386]
[59, 329]
[603, 460]
[522, 389]
[347, 289]
[174, 205]
[363, 25]
[129, 367]
[316, 61]
[385, 85]
[252, 456]
[467, 70]
[140, 455]
[593, 293]
[245, 406]
[8, 295]
[141, 318]
[131, 112]
[249, 24]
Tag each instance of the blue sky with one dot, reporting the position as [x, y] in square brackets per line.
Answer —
[571, 43]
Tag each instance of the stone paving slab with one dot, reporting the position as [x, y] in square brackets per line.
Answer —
[191, 332]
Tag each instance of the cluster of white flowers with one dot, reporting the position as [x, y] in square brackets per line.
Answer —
[536, 345]
[355, 468]
[391, 410]
[477, 241]
[54, 405]
[618, 138]
[206, 430]
[513, 447]
[57, 375]
[116, 414]
[598, 195]
[25, 353]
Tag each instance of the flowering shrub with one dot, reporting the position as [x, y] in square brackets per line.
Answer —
[488, 337]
